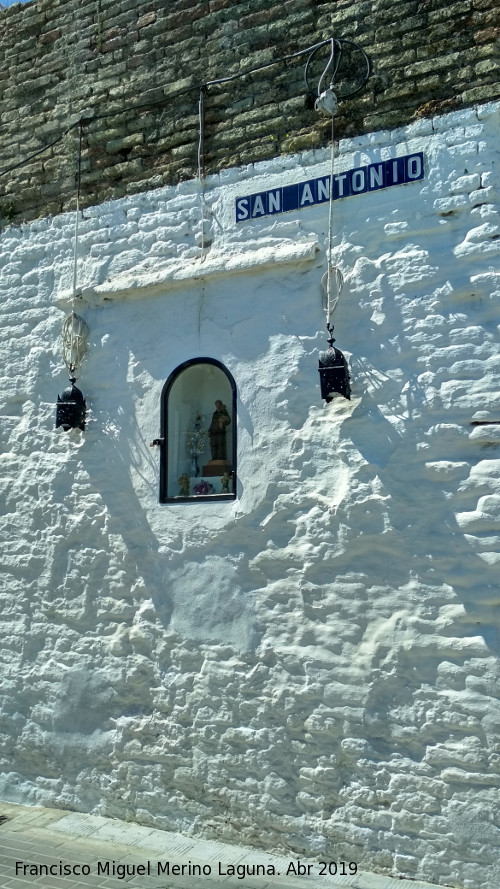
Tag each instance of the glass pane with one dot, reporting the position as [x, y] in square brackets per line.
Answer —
[200, 433]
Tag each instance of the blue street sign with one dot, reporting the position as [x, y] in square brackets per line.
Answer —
[372, 177]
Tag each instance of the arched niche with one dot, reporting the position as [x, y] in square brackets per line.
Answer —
[198, 455]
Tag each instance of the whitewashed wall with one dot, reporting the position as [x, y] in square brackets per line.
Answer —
[314, 666]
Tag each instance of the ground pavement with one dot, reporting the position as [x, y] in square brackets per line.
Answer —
[59, 850]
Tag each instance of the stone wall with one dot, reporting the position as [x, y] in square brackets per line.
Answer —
[67, 59]
[312, 667]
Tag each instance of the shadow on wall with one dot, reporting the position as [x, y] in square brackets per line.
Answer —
[199, 595]
[405, 533]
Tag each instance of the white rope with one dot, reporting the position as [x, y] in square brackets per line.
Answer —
[74, 329]
[201, 161]
[330, 303]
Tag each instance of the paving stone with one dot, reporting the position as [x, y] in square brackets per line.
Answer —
[86, 842]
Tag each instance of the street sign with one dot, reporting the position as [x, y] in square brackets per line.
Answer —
[372, 177]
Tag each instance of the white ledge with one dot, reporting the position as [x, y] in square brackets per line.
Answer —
[153, 277]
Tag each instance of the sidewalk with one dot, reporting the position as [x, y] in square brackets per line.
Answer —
[58, 850]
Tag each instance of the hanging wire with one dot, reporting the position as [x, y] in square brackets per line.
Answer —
[74, 330]
[333, 275]
[201, 140]
[77, 213]
[329, 62]
[30, 157]
[166, 100]
[332, 280]
[201, 160]
[337, 50]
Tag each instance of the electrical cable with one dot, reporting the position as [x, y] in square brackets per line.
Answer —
[201, 140]
[75, 331]
[330, 305]
[86, 119]
[329, 309]
[77, 214]
[335, 66]
[339, 41]
[287, 58]
[201, 161]
[26, 160]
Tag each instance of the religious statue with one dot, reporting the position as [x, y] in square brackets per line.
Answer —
[197, 436]
[226, 478]
[183, 483]
[217, 431]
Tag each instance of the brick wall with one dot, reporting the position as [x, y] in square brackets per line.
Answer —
[61, 59]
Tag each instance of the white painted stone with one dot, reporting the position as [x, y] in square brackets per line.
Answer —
[312, 667]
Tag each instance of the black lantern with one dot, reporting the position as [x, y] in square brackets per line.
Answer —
[71, 407]
[333, 372]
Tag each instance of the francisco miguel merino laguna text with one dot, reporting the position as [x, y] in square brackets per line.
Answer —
[113, 868]
[149, 868]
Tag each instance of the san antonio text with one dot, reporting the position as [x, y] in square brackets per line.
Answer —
[371, 177]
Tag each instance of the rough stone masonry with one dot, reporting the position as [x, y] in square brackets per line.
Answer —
[132, 71]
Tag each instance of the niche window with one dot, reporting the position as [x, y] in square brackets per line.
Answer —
[198, 454]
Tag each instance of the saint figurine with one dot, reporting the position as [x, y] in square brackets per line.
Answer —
[183, 483]
[197, 437]
[226, 478]
[217, 431]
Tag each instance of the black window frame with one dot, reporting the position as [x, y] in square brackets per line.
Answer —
[164, 420]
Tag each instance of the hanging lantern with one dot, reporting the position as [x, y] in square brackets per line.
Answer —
[333, 372]
[71, 408]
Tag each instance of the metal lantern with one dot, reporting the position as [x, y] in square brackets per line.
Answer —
[71, 408]
[333, 373]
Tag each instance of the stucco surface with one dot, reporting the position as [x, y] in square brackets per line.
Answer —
[313, 666]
